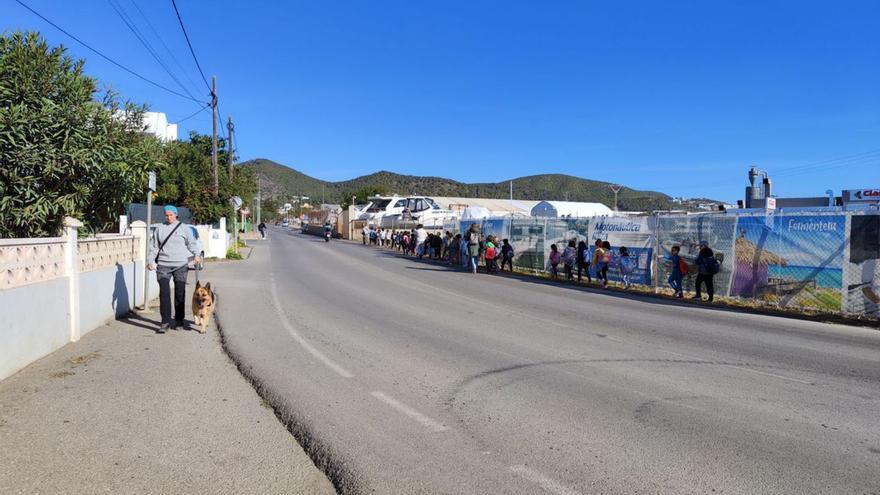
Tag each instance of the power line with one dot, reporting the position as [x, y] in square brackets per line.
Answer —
[129, 23]
[185, 35]
[105, 57]
[161, 40]
[828, 161]
[193, 115]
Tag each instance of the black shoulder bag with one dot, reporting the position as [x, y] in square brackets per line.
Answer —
[162, 244]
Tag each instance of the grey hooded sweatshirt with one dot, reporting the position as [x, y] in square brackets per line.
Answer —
[182, 245]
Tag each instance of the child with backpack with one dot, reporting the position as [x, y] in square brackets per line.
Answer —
[554, 261]
[583, 264]
[489, 254]
[568, 258]
[506, 255]
[707, 267]
[678, 271]
[604, 261]
[625, 265]
[598, 257]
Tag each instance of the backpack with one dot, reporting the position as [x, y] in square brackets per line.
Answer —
[490, 253]
[711, 265]
[682, 267]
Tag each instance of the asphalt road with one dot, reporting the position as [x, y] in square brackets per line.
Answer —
[400, 376]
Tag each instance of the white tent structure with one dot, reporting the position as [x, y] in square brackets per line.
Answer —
[475, 213]
[496, 207]
[569, 209]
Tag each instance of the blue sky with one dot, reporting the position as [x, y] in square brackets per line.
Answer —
[680, 97]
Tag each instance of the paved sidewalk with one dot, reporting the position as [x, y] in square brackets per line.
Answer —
[125, 410]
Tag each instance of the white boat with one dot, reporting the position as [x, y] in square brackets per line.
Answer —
[418, 210]
[381, 206]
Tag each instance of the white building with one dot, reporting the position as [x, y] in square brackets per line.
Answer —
[570, 209]
[157, 125]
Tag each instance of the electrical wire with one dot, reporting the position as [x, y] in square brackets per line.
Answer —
[193, 115]
[193, 52]
[162, 41]
[105, 57]
[129, 23]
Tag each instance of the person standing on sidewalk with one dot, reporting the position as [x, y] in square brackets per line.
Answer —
[473, 247]
[262, 229]
[172, 245]
[707, 267]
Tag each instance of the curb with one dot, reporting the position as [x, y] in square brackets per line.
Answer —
[344, 481]
[719, 305]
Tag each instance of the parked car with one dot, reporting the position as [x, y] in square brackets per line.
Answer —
[285, 224]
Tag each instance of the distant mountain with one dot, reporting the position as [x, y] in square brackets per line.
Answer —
[282, 182]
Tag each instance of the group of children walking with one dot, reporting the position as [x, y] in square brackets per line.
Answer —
[578, 256]
[469, 248]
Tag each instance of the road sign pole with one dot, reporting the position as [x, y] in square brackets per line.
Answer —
[151, 186]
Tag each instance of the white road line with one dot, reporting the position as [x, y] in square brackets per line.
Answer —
[302, 342]
[412, 413]
[544, 482]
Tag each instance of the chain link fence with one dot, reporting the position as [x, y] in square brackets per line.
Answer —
[811, 260]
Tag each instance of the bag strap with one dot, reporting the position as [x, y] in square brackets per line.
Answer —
[162, 244]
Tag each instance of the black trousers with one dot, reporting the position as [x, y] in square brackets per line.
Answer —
[165, 274]
[584, 267]
[507, 261]
[710, 284]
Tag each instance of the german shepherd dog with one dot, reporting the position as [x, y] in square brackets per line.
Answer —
[202, 305]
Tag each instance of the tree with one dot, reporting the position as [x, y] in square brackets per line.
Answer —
[362, 195]
[64, 150]
[185, 179]
[269, 209]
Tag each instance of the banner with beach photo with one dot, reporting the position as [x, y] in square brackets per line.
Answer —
[791, 260]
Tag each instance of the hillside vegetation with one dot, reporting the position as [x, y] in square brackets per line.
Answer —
[281, 182]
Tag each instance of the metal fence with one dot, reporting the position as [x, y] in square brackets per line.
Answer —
[822, 261]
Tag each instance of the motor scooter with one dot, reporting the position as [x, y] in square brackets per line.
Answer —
[327, 236]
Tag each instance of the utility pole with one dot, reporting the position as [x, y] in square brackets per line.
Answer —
[214, 167]
[511, 190]
[259, 198]
[616, 189]
[229, 149]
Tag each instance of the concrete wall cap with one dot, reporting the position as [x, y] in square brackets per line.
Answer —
[72, 222]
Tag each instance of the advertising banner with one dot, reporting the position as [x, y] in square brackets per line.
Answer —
[791, 260]
[634, 233]
[687, 232]
[862, 269]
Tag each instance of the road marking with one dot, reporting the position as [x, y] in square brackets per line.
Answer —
[546, 483]
[302, 342]
[412, 413]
